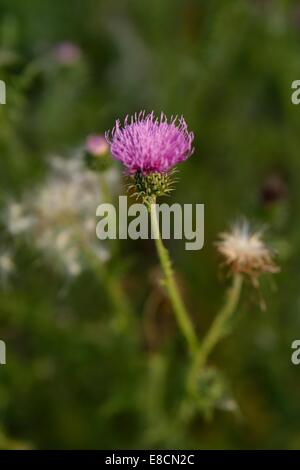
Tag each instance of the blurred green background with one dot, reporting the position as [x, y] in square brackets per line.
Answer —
[71, 379]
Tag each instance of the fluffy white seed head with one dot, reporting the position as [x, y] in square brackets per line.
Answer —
[245, 251]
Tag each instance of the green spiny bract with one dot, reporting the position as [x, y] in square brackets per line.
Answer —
[150, 186]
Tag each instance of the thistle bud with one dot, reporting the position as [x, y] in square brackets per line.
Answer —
[97, 155]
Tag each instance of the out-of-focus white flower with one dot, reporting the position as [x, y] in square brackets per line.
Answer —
[58, 216]
[16, 220]
[228, 404]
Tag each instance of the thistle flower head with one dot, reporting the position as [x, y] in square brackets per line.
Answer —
[245, 251]
[147, 144]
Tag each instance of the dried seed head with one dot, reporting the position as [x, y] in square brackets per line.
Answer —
[245, 251]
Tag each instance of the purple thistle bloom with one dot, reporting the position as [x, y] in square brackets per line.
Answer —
[148, 144]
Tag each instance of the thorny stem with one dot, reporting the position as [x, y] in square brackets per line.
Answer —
[217, 331]
[180, 312]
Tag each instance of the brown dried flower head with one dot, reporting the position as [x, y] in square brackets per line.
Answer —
[245, 251]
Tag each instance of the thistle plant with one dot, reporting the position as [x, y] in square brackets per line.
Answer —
[246, 255]
[150, 148]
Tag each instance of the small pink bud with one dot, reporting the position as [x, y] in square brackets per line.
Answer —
[96, 145]
[67, 53]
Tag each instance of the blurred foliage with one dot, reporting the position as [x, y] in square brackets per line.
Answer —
[72, 380]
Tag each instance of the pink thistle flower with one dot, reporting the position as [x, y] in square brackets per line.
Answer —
[96, 145]
[147, 144]
[67, 53]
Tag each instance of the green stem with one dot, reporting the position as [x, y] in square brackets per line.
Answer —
[180, 312]
[218, 329]
[113, 288]
[104, 188]
[119, 302]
